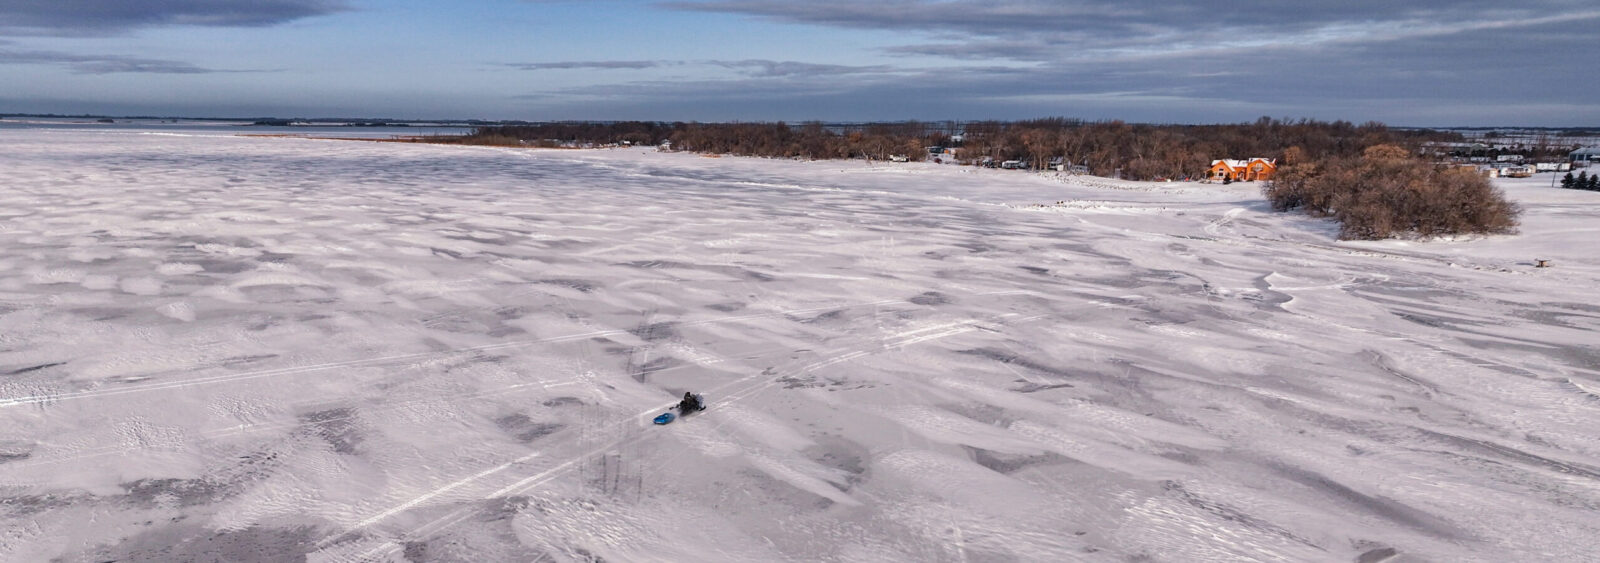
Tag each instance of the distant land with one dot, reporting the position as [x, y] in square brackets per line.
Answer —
[283, 121]
[1575, 130]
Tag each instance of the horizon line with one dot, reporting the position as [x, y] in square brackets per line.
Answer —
[4, 115]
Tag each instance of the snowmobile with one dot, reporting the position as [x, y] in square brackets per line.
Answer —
[691, 403]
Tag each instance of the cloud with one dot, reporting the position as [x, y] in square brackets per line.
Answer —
[1006, 17]
[1043, 30]
[766, 68]
[106, 17]
[1201, 60]
[758, 95]
[985, 17]
[102, 64]
[1491, 74]
[574, 65]
[748, 67]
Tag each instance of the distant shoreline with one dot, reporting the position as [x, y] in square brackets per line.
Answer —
[473, 123]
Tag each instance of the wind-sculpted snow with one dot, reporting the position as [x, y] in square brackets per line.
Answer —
[264, 349]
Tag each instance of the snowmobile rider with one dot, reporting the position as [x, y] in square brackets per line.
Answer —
[690, 403]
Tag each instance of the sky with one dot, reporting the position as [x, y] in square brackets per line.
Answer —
[1413, 63]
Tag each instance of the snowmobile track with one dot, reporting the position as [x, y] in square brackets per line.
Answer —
[728, 393]
[393, 359]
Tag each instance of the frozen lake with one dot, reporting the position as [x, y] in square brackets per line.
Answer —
[262, 349]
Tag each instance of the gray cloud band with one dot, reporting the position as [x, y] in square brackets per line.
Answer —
[102, 64]
[106, 17]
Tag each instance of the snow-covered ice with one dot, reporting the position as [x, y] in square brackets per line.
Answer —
[236, 348]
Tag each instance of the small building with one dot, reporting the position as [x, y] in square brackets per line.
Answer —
[1585, 154]
[1247, 170]
[1517, 172]
[1061, 164]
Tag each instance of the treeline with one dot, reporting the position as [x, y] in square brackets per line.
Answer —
[879, 141]
[561, 134]
[1105, 148]
[1387, 191]
[1150, 152]
[1582, 182]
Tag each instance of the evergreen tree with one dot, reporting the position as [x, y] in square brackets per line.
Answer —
[1582, 182]
[1594, 183]
[1567, 181]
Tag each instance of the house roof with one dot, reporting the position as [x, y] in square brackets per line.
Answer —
[1585, 151]
[1236, 163]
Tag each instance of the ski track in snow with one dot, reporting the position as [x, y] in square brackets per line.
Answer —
[220, 347]
[730, 394]
[395, 359]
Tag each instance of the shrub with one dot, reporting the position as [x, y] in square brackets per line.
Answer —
[1386, 192]
[1299, 183]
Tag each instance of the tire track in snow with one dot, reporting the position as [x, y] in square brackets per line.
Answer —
[900, 340]
[742, 389]
[398, 358]
[242, 429]
[456, 516]
[1235, 238]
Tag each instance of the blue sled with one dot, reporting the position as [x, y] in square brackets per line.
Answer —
[665, 418]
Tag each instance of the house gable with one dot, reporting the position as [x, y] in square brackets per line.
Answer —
[1242, 170]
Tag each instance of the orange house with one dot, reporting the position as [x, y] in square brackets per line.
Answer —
[1243, 170]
